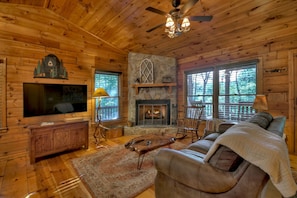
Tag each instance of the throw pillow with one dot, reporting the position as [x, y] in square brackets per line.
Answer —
[266, 115]
[262, 119]
[225, 159]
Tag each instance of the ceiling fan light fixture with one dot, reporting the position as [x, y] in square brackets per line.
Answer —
[169, 21]
[175, 28]
[172, 32]
[170, 29]
[186, 22]
[176, 24]
[171, 36]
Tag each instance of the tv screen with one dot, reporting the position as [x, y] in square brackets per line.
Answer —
[48, 99]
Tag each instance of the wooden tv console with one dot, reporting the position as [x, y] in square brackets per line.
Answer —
[57, 137]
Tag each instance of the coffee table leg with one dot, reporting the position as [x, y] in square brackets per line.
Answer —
[140, 160]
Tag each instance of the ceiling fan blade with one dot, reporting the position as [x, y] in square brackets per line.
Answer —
[152, 29]
[200, 18]
[156, 11]
[188, 6]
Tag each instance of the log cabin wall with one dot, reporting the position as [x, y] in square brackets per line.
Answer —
[29, 34]
[240, 30]
[273, 55]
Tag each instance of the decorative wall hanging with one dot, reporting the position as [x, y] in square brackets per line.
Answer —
[146, 71]
[50, 67]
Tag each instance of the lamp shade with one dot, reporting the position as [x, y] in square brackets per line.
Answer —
[260, 103]
[169, 21]
[186, 22]
[100, 92]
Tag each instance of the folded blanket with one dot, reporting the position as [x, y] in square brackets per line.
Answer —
[263, 149]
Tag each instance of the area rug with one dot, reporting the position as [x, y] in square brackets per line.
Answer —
[113, 172]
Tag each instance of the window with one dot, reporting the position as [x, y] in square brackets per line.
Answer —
[227, 91]
[200, 89]
[109, 106]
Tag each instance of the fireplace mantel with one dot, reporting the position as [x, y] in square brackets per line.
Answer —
[158, 85]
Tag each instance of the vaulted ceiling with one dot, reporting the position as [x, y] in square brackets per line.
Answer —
[124, 23]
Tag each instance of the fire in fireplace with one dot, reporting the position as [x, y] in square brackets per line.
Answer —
[152, 112]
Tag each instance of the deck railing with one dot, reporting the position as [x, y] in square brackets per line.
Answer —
[236, 111]
[109, 113]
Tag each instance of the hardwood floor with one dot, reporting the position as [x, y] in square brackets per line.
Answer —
[55, 177]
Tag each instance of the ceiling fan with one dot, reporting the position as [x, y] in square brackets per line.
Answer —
[177, 22]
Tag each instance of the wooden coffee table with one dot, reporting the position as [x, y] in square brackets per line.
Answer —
[147, 143]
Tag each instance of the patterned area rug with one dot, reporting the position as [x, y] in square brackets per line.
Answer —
[113, 172]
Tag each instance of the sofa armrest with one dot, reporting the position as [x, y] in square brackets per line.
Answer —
[187, 167]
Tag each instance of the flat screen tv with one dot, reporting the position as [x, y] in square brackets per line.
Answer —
[48, 99]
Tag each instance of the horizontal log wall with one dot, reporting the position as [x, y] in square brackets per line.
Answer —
[273, 54]
[28, 35]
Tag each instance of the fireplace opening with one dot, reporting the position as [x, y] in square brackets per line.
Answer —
[152, 112]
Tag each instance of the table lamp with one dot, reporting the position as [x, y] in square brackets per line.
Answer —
[99, 94]
[260, 103]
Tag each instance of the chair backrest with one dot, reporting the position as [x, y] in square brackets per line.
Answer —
[194, 112]
[193, 116]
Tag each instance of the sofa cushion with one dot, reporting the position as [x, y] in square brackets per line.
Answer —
[212, 136]
[225, 159]
[201, 146]
[192, 153]
[262, 119]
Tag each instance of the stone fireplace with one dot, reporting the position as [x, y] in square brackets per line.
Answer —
[152, 112]
[152, 104]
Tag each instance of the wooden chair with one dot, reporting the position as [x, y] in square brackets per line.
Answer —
[190, 122]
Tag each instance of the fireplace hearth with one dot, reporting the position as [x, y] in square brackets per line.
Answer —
[152, 112]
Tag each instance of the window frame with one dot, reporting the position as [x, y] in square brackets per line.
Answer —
[215, 70]
[118, 74]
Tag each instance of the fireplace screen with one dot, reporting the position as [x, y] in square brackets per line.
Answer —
[152, 112]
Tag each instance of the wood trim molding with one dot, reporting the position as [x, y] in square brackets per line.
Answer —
[292, 100]
[3, 122]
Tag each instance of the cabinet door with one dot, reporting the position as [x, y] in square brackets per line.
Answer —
[61, 138]
[42, 142]
[79, 135]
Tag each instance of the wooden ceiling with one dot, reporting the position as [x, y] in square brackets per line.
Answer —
[123, 23]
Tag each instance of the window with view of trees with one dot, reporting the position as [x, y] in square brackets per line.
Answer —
[109, 106]
[227, 91]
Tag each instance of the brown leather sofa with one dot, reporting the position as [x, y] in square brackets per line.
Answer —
[185, 173]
